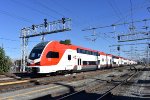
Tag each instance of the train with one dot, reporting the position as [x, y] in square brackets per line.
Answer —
[54, 56]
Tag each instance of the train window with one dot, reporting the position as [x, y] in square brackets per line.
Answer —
[35, 53]
[96, 53]
[84, 62]
[78, 50]
[86, 51]
[69, 57]
[114, 62]
[83, 51]
[90, 52]
[52, 54]
[92, 62]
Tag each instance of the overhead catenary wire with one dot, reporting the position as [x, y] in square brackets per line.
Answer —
[137, 21]
[120, 14]
[115, 10]
[32, 8]
[133, 9]
[7, 39]
[48, 8]
[55, 11]
[117, 22]
[15, 16]
[74, 20]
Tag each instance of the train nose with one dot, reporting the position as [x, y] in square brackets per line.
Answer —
[30, 62]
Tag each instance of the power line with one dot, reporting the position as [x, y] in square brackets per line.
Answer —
[7, 39]
[121, 15]
[46, 7]
[111, 5]
[33, 9]
[137, 21]
[66, 9]
[119, 12]
[76, 22]
[15, 16]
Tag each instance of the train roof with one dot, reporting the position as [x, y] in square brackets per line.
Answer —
[102, 53]
[75, 47]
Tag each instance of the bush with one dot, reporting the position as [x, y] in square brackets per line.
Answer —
[5, 62]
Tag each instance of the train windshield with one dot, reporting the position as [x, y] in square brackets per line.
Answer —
[37, 51]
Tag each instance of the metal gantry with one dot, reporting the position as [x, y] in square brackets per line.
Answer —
[134, 36]
[41, 30]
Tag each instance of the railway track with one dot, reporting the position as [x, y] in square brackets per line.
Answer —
[82, 85]
[107, 94]
[26, 82]
[109, 86]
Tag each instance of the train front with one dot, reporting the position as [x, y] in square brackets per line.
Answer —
[33, 63]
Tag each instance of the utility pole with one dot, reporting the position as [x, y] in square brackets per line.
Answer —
[41, 30]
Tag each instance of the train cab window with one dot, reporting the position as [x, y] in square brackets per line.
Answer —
[35, 53]
[52, 54]
[69, 57]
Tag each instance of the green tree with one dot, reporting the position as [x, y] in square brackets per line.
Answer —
[5, 61]
[67, 42]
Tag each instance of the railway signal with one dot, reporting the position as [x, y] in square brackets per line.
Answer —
[118, 48]
[118, 38]
[45, 23]
[33, 27]
[63, 20]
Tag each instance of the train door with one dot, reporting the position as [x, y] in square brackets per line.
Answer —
[69, 59]
[79, 64]
[110, 63]
[69, 63]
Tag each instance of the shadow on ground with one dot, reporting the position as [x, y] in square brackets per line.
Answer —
[89, 96]
[83, 95]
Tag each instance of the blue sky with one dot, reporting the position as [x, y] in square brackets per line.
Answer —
[16, 14]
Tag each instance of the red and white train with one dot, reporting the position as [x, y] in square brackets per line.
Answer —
[53, 56]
